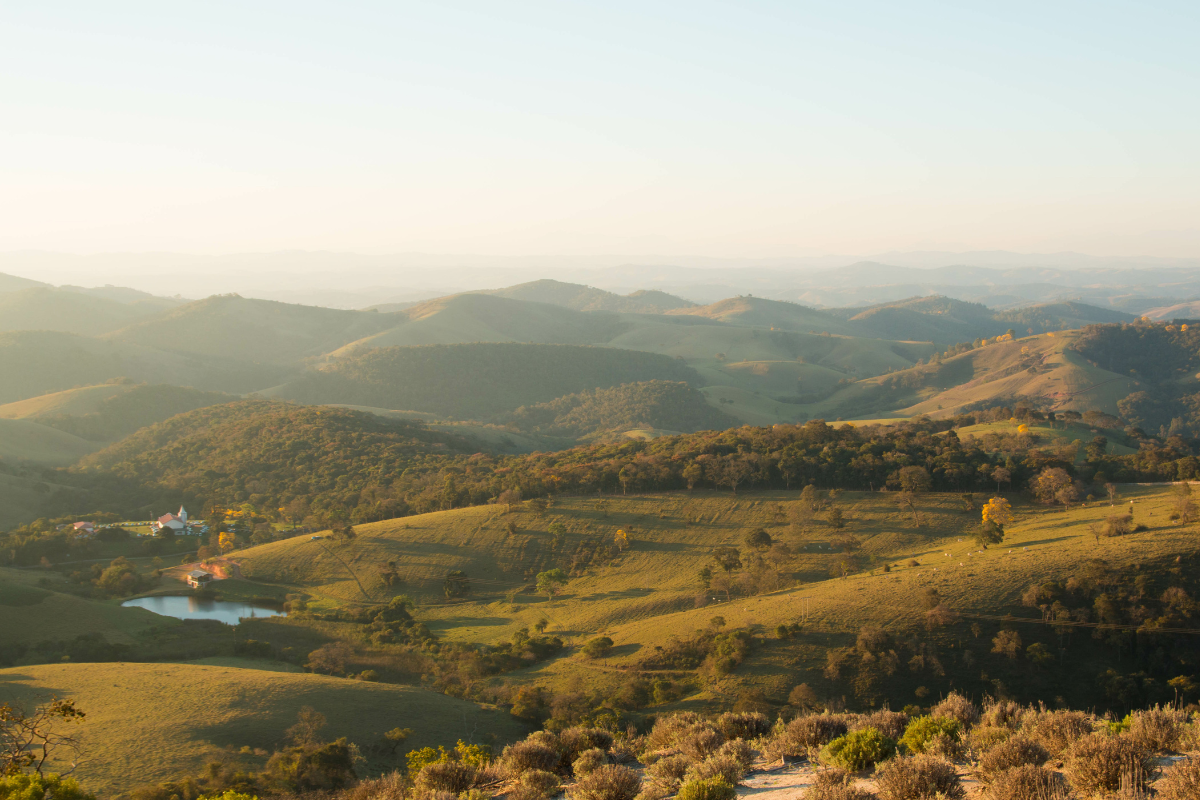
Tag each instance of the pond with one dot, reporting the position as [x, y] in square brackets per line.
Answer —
[183, 607]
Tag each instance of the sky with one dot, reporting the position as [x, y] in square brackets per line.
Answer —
[747, 129]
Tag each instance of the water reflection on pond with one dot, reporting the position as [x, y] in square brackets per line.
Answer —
[183, 607]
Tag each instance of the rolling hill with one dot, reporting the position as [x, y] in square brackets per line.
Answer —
[67, 311]
[25, 440]
[475, 381]
[259, 331]
[148, 723]
[586, 298]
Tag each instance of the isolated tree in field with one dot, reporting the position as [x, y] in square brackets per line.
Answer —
[1001, 475]
[598, 647]
[802, 697]
[1007, 643]
[914, 479]
[997, 513]
[550, 581]
[809, 499]
[1183, 505]
[329, 658]
[29, 740]
[908, 502]
[836, 518]
[307, 730]
[540, 625]
[1054, 485]
[968, 501]
[758, 539]
[558, 534]
[456, 584]
[621, 540]
[227, 541]
[1111, 490]
[396, 737]
[728, 558]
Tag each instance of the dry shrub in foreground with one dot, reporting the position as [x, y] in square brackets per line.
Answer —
[711, 789]
[743, 725]
[957, 707]
[725, 767]
[1158, 729]
[522, 757]
[386, 787]
[669, 771]
[1001, 714]
[922, 777]
[1180, 781]
[611, 782]
[836, 784]
[700, 743]
[1027, 783]
[1057, 730]
[1018, 751]
[890, 723]
[573, 741]
[811, 732]
[1097, 763]
[668, 730]
[739, 750]
[448, 776]
[588, 761]
[535, 784]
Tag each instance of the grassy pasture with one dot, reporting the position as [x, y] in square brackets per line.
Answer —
[154, 722]
[26, 440]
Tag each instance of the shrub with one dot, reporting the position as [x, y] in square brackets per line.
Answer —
[945, 746]
[588, 761]
[1097, 763]
[890, 723]
[1025, 783]
[609, 782]
[1017, 751]
[1180, 781]
[711, 789]
[743, 725]
[858, 750]
[835, 784]
[669, 770]
[598, 647]
[1157, 730]
[917, 778]
[535, 784]
[668, 730]
[816, 730]
[573, 741]
[31, 787]
[727, 768]
[700, 743]
[958, 708]
[739, 750]
[984, 737]
[391, 786]
[448, 776]
[1001, 714]
[1057, 730]
[519, 758]
[922, 730]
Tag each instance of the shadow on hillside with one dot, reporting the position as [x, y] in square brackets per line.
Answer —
[1042, 541]
[466, 622]
[645, 546]
[622, 594]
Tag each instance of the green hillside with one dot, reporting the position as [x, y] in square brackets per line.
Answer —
[120, 415]
[148, 723]
[475, 381]
[759, 312]
[27, 494]
[70, 402]
[240, 329]
[650, 404]
[25, 440]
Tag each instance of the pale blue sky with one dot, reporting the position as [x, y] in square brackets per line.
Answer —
[724, 129]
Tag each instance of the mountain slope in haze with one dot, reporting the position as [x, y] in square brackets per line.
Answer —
[587, 298]
[26, 440]
[43, 309]
[475, 381]
[125, 412]
[659, 405]
[485, 318]
[35, 363]
[259, 331]
[14, 283]
[758, 312]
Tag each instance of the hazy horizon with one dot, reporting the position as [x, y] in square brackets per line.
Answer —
[765, 130]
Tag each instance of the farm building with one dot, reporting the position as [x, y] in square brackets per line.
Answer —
[199, 578]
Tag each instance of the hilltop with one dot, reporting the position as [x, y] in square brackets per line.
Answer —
[586, 298]
[475, 381]
[68, 311]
